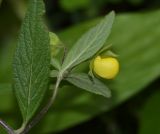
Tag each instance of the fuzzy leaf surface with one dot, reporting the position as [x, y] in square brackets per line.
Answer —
[92, 85]
[31, 61]
[89, 43]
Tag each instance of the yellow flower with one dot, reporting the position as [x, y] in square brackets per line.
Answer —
[106, 68]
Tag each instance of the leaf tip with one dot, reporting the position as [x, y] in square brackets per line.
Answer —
[109, 94]
[111, 15]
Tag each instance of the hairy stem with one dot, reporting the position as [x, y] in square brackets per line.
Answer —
[44, 110]
[6, 127]
[64, 54]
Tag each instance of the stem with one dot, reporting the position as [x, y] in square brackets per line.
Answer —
[64, 54]
[6, 127]
[44, 110]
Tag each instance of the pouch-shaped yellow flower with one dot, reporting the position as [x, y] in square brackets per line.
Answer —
[107, 67]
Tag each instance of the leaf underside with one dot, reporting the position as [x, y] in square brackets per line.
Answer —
[87, 83]
[89, 43]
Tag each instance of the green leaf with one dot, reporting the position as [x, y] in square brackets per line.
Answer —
[92, 85]
[90, 72]
[7, 99]
[55, 44]
[54, 73]
[149, 115]
[54, 40]
[105, 48]
[55, 63]
[89, 43]
[32, 61]
[109, 53]
[6, 58]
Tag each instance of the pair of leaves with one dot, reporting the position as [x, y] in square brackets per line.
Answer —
[87, 46]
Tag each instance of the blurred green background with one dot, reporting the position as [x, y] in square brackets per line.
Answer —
[134, 106]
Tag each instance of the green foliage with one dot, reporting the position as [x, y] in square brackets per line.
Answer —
[31, 61]
[135, 38]
[92, 85]
[6, 56]
[149, 115]
[32, 58]
[55, 44]
[89, 43]
[54, 73]
[55, 63]
[7, 96]
[137, 44]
